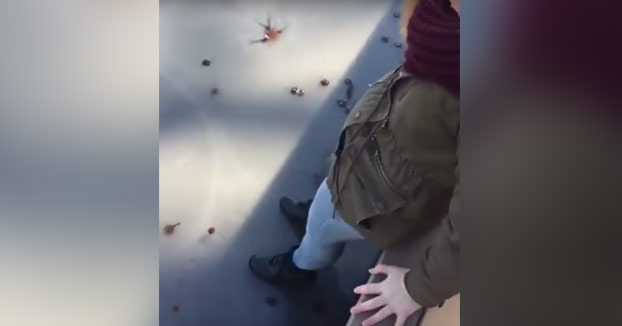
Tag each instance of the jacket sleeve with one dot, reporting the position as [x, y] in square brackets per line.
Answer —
[436, 277]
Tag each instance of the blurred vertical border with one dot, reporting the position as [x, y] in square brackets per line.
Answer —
[541, 157]
[79, 163]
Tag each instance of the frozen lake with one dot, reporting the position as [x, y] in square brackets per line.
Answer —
[226, 159]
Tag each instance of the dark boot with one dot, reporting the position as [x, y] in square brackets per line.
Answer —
[280, 269]
[296, 211]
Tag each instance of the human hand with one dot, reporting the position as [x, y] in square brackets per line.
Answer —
[392, 296]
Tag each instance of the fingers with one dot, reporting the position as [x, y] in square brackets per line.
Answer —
[380, 269]
[380, 315]
[370, 304]
[372, 288]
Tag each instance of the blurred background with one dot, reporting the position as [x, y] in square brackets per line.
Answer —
[79, 163]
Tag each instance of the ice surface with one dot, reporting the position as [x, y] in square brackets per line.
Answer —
[226, 158]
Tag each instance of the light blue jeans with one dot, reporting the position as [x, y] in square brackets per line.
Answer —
[325, 236]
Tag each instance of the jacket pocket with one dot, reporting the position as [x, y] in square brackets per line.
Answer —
[373, 106]
[381, 170]
[380, 182]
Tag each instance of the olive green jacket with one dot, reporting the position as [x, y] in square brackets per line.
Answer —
[396, 173]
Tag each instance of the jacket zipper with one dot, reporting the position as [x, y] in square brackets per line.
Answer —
[394, 77]
[382, 171]
[373, 203]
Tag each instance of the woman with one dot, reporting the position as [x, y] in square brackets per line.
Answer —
[396, 175]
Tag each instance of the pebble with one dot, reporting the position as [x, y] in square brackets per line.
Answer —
[175, 308]
[341, 103]
[206, 62]
[170, 228]
[324, 82]
[385, 39]
[294, 90]
[211, 230]
[398, 45]
[215, 91]
[397, 14]
[348, 81]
